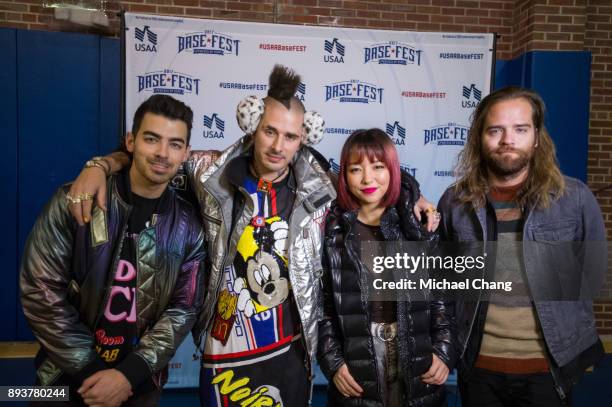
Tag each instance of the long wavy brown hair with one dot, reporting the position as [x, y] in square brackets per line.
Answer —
[544, 183]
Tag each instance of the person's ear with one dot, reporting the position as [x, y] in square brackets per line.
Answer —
[187, 152]
[129, 142]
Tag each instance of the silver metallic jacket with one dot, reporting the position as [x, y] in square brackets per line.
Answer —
[314, 195]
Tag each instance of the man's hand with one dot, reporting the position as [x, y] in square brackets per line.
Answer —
[437, 373]
[106, 388]
[92, 182]
[433, 216]
[345, 383]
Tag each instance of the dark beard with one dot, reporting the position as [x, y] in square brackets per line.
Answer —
[505, 167]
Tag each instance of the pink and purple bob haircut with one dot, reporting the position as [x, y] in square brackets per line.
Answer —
[377, 146]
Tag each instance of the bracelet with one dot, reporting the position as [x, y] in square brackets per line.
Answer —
[97, 162]
[107, 168]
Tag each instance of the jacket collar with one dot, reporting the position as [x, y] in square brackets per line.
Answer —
[123, 191]
[314, 188]
[310, 181]
[237, 169]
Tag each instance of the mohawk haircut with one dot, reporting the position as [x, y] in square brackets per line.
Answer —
[283, 84]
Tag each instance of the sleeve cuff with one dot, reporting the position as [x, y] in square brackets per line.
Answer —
[135, 369]
[94, 366]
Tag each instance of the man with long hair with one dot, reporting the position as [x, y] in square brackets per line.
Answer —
[529, 347]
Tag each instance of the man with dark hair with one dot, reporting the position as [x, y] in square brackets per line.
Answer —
[111, 301]
[527, 347]
[167, 107]
[263, 201]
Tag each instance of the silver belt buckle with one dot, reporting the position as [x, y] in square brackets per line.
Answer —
[385, 332]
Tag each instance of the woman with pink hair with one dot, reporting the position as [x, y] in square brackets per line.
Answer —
[378, 351]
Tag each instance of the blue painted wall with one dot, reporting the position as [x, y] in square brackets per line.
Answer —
[61, 104]
[563, 81]
[8, 187]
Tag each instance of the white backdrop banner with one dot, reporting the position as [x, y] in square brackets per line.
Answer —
[418, 87]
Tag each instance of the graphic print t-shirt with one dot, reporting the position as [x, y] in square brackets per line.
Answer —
[256, 320]
[116, 333]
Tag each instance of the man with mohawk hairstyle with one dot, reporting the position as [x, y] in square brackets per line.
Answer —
[263, 202]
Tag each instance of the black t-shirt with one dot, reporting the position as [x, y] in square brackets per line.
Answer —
[116, 333]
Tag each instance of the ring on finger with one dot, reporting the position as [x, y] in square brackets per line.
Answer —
[73, 201]
[430, 209]
[85, 196]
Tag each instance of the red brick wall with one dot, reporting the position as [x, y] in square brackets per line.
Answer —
[598, 40]
[524, 25]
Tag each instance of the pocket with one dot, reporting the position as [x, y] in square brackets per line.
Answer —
[562, 231]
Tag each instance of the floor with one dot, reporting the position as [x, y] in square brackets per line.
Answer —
[595, 389]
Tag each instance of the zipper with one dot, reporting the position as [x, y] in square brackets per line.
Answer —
[360, 269]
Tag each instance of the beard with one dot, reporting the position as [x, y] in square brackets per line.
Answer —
[503, 165]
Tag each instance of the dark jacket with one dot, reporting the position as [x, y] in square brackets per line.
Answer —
[568, 326]
[424, 327]
[67, 271]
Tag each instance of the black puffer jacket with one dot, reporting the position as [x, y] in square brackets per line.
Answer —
[344, 335]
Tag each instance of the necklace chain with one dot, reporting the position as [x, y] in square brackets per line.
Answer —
[252, 167]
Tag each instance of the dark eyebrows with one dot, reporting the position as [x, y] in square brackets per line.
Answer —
[177, 140]
[159, 137]
[151, 133]
[271, 128]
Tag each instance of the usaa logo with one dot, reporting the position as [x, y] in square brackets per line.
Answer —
[334, 166]
[471, 97]
[214, 126]
[409, 169]
[397, 133]
[451, 134]
[334, 52]
[208, 42]
[353, 91]
[168, 82]
[146, 40]
[301, 92]
[392, 53]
